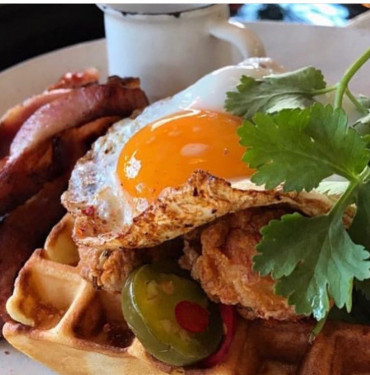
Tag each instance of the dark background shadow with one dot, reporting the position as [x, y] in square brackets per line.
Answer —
[30, 30]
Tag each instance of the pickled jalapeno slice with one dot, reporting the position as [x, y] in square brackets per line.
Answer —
[171, 316]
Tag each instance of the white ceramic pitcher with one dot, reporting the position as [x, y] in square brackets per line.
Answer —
[170, 46]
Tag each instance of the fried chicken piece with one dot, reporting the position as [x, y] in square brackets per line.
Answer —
[109, 269]
[221, 255]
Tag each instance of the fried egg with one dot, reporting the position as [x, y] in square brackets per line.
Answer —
[176, 166]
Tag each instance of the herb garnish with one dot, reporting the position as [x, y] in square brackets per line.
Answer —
[276, 92]
[294, 141]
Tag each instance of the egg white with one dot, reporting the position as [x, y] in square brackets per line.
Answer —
[94, 181]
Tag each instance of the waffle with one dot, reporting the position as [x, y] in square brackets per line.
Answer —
[61, 320]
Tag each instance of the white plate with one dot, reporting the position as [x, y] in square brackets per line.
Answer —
[14, 363]
[328, 48]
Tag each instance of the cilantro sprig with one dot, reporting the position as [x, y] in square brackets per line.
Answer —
[296, 89]
[302, 147]
[276, 92]
[293, 141]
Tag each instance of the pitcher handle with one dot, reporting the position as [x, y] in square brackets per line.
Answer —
[246, 41]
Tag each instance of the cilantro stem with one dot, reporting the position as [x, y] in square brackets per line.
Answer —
[350, 72]
[324, 90]
[318, 328]
[361, 108]
[365, 175]
[346, 198]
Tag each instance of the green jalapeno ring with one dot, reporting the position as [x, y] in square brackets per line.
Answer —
[149, 298]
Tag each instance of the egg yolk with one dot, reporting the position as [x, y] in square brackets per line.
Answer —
[166, 152]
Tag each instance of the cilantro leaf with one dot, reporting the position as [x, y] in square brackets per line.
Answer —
[275, 92]
[302, 147]
[314, 259]
[360, 228]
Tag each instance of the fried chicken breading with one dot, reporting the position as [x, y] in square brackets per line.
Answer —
[108, 269]
[220, 257]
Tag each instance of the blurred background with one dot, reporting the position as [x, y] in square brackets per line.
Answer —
[30, 30]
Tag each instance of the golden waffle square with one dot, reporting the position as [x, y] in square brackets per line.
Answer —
[59, 319]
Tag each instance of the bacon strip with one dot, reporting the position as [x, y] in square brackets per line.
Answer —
[74, 80]
[25, 175]
[13, 119]
[80, 106]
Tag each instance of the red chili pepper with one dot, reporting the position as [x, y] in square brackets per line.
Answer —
[228, 316]
[89, 211]
[191, 316]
